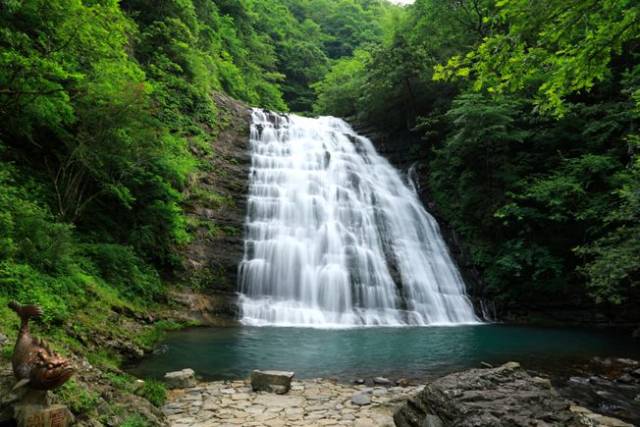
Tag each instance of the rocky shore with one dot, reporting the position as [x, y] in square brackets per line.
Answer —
[504, 396]
[315, 402]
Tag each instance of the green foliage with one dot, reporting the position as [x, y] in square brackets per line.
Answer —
[77, 397]
[135, 421]
[555, 48]
[612, 260]
[339, 91]
[158, 331]
[155, 392]
[120, 266]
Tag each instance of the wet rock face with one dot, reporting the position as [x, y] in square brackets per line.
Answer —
[609, 386]
[498, 397]
[215, 202]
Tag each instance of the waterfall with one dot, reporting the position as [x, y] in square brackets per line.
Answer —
[335, 238]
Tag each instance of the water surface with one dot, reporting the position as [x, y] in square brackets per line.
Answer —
[227, 353]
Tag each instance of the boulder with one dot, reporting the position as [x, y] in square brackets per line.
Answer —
[403, 382]
[496, 397]
[185, 378]
[588, 418]
[432, 421]
[278, 382]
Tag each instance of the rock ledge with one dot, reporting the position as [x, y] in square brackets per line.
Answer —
[506, 396]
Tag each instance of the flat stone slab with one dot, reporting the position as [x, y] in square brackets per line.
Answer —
[185, 378]
[278, 382]
[315, 402]
[361, 399]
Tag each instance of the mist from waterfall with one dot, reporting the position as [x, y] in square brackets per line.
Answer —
[335, 238]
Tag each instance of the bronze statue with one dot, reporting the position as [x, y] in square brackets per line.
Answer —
[34, 364]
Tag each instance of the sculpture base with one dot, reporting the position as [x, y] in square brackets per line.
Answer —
[35, 410]
[43, 416]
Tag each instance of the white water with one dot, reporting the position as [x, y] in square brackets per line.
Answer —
[330, 225]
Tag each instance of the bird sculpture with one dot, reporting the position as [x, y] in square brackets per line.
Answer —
[34, 364]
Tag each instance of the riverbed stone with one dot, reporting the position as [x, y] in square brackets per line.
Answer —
[381, 381]
[278, 382]
[184, 378]
[361, 399]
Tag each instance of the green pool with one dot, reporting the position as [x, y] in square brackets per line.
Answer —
[224, 353]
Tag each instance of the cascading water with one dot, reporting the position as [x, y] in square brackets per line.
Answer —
[335, 238]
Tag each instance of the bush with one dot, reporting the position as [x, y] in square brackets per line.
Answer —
[121, 267]
[155, 392]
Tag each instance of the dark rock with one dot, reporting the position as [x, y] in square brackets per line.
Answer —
[502, 396]
[381, 381]
[486, 365]
[432, 421]
[361, 399]
[358, 381]
[403, 382]
[185, 378]
[627, 362]
[278, 382]
[215, 203]
[588, 418]
[212, 309]
[626, 379]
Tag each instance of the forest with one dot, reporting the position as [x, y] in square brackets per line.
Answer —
[527, 112]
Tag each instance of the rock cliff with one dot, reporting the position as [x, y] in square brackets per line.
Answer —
[215, 203]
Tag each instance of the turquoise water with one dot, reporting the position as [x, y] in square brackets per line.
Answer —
[225, 353]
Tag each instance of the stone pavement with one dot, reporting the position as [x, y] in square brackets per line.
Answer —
[309, 403]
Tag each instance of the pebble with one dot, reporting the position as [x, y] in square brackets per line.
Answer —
[361, 399]
[314, 402]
